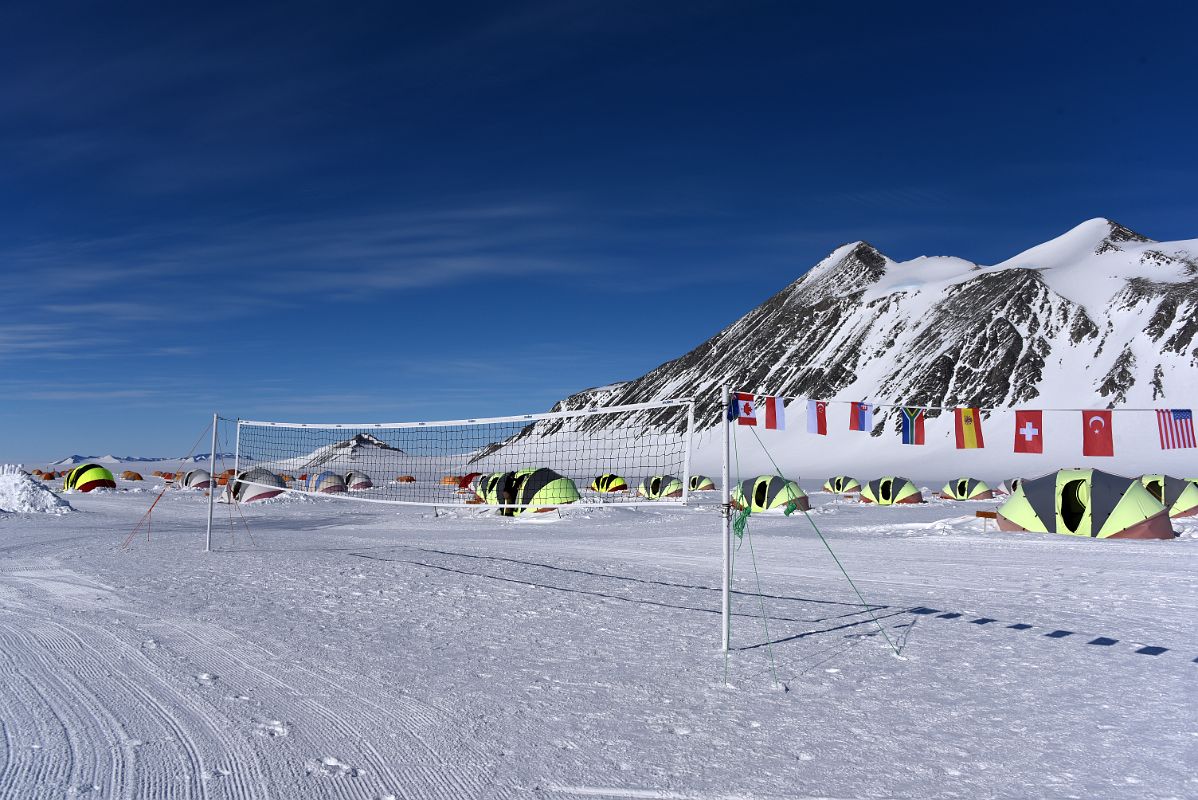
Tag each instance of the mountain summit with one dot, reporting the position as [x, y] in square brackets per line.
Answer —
[1099, 316]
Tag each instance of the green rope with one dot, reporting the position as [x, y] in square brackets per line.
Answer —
[765, 620]
[868, 608]
[740, 521]
[739, 526]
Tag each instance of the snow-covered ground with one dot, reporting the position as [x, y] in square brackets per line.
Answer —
[348, 650]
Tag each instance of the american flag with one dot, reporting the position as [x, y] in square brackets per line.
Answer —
[1176, 426]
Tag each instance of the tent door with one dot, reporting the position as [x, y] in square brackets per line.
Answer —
[962, 488]
[884, 490]
[1073, 504]
[759, 494]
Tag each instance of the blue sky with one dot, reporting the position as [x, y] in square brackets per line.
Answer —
[387, 211]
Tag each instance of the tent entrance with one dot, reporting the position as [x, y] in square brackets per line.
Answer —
[1073, 504]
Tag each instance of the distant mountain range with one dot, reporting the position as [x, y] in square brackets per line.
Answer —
[75, 460]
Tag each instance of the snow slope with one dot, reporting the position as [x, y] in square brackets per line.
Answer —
[345, 650]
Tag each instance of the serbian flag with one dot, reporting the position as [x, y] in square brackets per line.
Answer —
[746, 409]
[1029, 431]
[861, 417]
[775, 412]
[1176, 427]
[913, 425]
[969, 428]
[817, 417]
[1097, 437]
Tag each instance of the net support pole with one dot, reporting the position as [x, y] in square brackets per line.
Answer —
[726, 515]
[211, 484]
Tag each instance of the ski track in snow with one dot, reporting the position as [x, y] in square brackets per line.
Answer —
[367, 653]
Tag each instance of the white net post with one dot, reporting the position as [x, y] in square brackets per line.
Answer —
[726, 516]
[212, 481]
[539, 461]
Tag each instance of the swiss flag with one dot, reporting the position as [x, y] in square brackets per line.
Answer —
[1029, 431]
[746, 409]
[1097, 437]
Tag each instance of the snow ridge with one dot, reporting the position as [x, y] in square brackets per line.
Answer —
[20, 493]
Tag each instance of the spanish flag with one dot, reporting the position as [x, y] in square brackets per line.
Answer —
[969, 428]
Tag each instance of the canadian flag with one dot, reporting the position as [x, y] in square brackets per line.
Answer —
[1029, 431]
[775, 413]
[746, 409]
[1097, 437]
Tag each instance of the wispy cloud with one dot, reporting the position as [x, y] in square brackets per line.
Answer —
[114, 309]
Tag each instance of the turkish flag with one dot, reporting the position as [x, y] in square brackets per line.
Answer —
[1097, 437]
[1029, 431]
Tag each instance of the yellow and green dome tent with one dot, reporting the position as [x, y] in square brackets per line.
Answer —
[768, 492]
[543, 490]
[485, 486]
[842, 484]
[891, 490]
[1086, 502]
[609, 482]
[967, 489]
[86, 477]
[702, 483]
[529, 490]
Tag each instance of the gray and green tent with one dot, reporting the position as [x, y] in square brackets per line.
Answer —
[702, 483]
[1086, 502]
[768, 492]
[1179, 495]
[891, 490]
[842, 484]
[656, 487]
[967, 489]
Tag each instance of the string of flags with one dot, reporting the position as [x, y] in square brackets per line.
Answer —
[1175, 425]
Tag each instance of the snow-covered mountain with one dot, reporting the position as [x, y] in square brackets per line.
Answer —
[361, 448]
[1098, 317]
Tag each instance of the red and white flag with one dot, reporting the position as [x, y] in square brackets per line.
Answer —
[1029, 431]
[1176, 426]
[746, 409]
[775, 412]
[817, 417]
[1097, 437]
